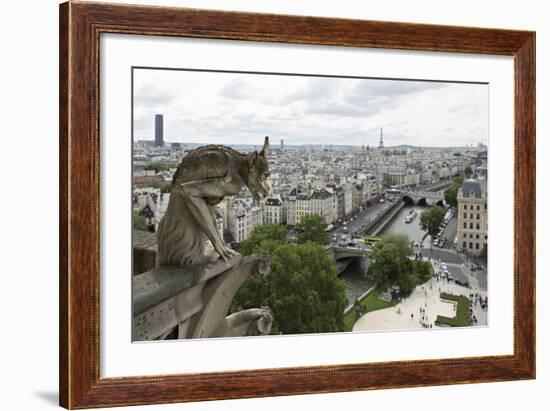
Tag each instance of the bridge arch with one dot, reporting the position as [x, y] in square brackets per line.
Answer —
[408, 200]
[423, 198]
[422, 201]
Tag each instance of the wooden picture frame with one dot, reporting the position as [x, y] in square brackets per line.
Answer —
[80, 27]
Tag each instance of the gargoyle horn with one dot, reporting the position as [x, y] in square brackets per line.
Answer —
[265, 150]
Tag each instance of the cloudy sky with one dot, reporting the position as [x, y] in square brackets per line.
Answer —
[238, 108]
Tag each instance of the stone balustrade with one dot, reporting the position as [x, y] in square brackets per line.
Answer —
[193, 301]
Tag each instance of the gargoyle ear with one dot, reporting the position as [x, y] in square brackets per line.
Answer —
[265, 150]
[252, 158]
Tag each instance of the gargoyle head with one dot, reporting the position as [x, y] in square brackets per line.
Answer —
[258, 173]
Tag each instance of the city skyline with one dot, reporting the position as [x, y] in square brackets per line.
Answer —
[239, 108]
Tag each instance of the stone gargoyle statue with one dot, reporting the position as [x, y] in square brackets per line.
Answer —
[204, 177]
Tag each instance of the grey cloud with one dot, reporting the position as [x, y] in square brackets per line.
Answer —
[304, 110]
[386, 92]
[341, 109]
[151, 96]
[237, 90]
[315, 89]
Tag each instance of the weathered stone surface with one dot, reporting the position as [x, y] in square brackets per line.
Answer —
[162, 318]
[204, 177]
[144, 240]
[254, 321]
[195, 300]
[153, 287]
[219, 292]
[189, 292]
[144, 246]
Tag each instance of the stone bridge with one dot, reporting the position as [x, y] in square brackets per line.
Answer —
[343, 256]
[424, 197]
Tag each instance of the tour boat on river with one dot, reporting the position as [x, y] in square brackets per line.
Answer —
[411, 215]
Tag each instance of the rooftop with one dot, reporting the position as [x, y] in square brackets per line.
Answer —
[273, 201]
[475, 186]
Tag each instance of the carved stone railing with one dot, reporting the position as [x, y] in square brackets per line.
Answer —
[144, 251]
[193, 301]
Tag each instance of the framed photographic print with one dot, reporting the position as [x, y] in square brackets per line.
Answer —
[257, 205]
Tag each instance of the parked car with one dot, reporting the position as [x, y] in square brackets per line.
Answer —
[462, 283]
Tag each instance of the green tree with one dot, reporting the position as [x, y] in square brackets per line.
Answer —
[390, 264]
[303, 290]
[139, 222]
[431, 220]
[163, 187]
[468, 171]
[389, 259]
[313, 228]
[267, 232]
[452, 191]
[406, 282]
[450, 194]
[157, 167]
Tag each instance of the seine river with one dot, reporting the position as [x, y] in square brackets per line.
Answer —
[398, 226]
[355, 277]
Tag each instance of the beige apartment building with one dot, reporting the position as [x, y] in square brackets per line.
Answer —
[273, 210]
[472, 217]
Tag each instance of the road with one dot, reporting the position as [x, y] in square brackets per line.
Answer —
[442, 254]
[450, 232]
[359, 219]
